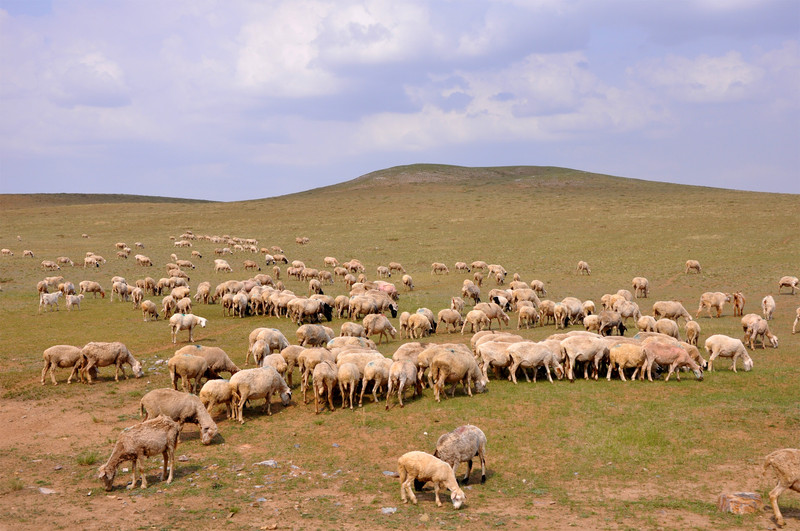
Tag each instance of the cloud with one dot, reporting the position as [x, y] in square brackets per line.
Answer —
[91, 79]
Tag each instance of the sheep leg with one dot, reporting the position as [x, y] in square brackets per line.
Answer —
[316, 400]
[436, 493]
[465, 481]
[389, 393]
[240, 408]
[773, 498]
[513, 371]
[364, 388]
[549, 376]
[329, 389]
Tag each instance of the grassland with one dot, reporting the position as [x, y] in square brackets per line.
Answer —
[600, 455]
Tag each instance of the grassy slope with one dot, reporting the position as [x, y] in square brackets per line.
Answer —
[535, 221]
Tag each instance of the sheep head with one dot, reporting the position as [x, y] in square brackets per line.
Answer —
[207, 434]
[286, 397]
[748, 362]
[107, 474]
[458, 497]
[136, 367]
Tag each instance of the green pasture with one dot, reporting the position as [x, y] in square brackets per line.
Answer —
[599, 455]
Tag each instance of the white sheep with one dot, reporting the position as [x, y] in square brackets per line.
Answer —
[249, 384]
[785, 463]
[673, 356]
[216, 392]
[768, 307]
[188, 322]
[760, 330]
[149, 309]
[462, 445]
[379, 324]
[188, 368]
[588, 349]
[419, 325]
[313, 335]
[477, 321]
[646, 323]
[789, 282]
[74, 301]
[402, 373]
[350, 329]
[671, 310]
[668, 327]
[181, 408]
[221, 265]
[408, 282]
[453, 366]
[723, 346]
[692, 265]
[530, 355]
[377, 372]
[796, 320]
[64, 357]
[439, 268]
[623, 356]
[641, 287]
[422, 467]
[324, 382]
[49, 300]
[153, 437]
[583, 268]
[100, 354]
[692, 332]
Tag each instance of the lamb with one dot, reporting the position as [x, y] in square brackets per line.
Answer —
[181, 408]
[408, 282]
[188, 367]
[74, 301]
[49, 300]
[589, 349]
[785, 464]
[377, 323]
[692, 332]
[64, 357]
[263, 382]
[347, 375]
[671, 310]
[149, 309]
[422, 467]
[216, 392]
[641, 287]
[715, 300]
[461, 445]
[720, 345]
[453, 366]
[646, 323]
[402, 373]
[738, 303]
[768, 307]
[668, 327]
[324, 382]
[185, 322]
[583, 268]
[439, 268]
[760, 329]
[692, 265]
[155, 436]
[669, 355]
[97, 354]
[377, 372]
[624, 356]
[477, 321]
[312, 335]
[449, 317]
[530, 355]
[788, 282]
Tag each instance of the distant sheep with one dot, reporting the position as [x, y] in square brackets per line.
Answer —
[185, 322]
[788, 282]
[692, 265]
[641, 287]
[768, 307]
[583, 268]
[738, 303]
[438, 268]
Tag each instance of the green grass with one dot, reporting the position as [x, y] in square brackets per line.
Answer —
[559, 438]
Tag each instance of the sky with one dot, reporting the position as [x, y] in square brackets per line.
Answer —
[232, 100]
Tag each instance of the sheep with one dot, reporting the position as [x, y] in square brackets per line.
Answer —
[307, 361]
[49, 300]
[181, 408]
[796, 320]
[188, 367]
[530, 355]
[27, 252]
[738, 303]
[646, 323]
[183, 305]
[299, 310]
[760, 329]
[216, 392]
[573, 309]
[408, 282]
[459, 446]
[276, 361]
[583, 268]
[379, 324]
[419, 325]
[419, 466]
[768, 307]
[188, 322]
[347, 376]
[590, 322]
[692, 265]
[668, 327]
[493, 311]
[669, 355]
[65, 260]
[155, 436]
[324, 382]
[272, 337]
[589, 308]
[785, 463]
[64, 357]
[788, 282]
[720, 345]
[626, 355]
[671, 310]
[438, 268]
[493, 354]
[149, 309]
[221, 265]
[589, 349]
[477, 320]
[641, 287]
[311, 335]
[143, 260]
[453, 366]
[98, 354]
[377, 372]
[449, 317]
[471, 291]
[692, 332]
[74, 301]
[49, 265]
[349, 329]
[609, 320]
[396, 266]
[715, 300]
[263, 382]
[7, 252]
[402, 373]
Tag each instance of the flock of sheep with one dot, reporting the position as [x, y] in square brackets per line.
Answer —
[347, 362]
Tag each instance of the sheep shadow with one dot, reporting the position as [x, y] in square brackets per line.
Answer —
[153, 476]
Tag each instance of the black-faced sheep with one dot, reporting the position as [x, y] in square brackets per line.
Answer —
[153, 437]
[181, 408]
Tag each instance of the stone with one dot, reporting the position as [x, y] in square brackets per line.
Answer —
[388, 510]
[740, 503]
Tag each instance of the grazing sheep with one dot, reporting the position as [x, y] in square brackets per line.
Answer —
[49, 300]
[181, 408]
[796, 320]
[168, 305]
[419, 326]
[692, 332]
[152, 437]
[469, 290]
[347, 375]
[421, 467]
[64, 357]
[625, 356]
[377, 372]
[27, 252]
[149, 309]
[221, 265]
[74, 301]
[671, 310]
[377, 323]
[768, 307]
[98, 354]
[461, 445]
[396, 266]
[493, 311]
[738, 303]
[538, 287]
[723, 346]
[449, 317]
[747, 320]
[402, 373]
[760, 329]
[530, 355]
[788, 282]
[185, 322]
[216, 392]
[408, 282]
[715, 300]
[588, 349]
[311, 335]
[583, 268]
[692, 265]
[452, 366]
[477, 321]
[641, 287]
[646, 323]
[349, 329]
[187, 367]
[590, 322]
[324, 382]
[668, 327]
[273, 338]
[785, 463]
[250, 384]
[439, 268]
[610, 320]
[669, 355]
